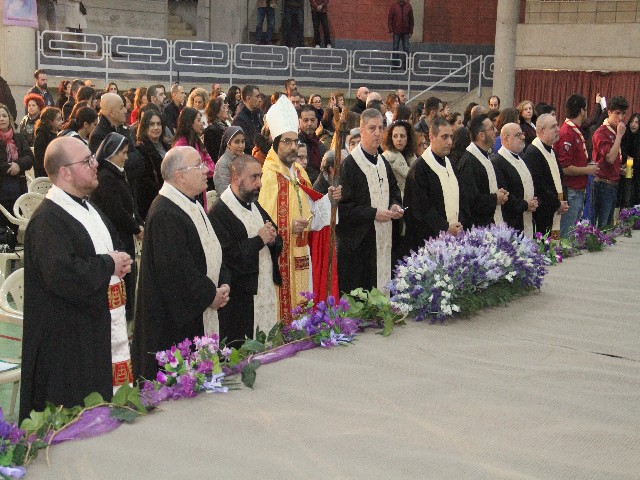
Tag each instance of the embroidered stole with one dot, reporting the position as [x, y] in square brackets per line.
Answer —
[448, 182]
[265, 306]
[491, 176]
[284, 200]
[210, 245]
[102, 243]
[550, 156]
[527, 184]
[378, 184]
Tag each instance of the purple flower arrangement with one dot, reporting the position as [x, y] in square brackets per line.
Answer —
[630, 216]
[589, 237]
[325, 323]
[449, 274]
[11, 437]
[551, 251]
[187, 369]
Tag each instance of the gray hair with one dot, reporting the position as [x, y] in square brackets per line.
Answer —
[174, 161]
[369, 114]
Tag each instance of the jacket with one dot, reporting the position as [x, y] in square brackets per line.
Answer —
[400, 18]
[250, 123]
[25, 161]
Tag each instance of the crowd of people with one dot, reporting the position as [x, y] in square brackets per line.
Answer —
[285, 168]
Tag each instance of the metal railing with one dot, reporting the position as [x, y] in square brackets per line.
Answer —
[152, 59]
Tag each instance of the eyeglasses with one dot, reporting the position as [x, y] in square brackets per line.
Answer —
[90, 160]
[199, 166]
[287, 142]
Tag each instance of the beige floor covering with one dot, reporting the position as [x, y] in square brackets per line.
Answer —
[523, 392]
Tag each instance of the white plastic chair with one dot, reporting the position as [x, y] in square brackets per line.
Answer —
[212, 197]
[24, 207]
[40, 185]
[11, 312]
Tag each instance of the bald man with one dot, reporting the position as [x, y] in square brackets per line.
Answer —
[361, 100]
[112, 117]
[547, 178]
[72, 290]
[514, 177]
[180, 287]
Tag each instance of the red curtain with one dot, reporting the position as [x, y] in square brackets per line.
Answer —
[554, 86]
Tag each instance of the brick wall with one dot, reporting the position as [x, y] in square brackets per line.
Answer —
[460, 22]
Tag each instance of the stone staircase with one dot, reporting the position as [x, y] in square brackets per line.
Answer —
[178, 29]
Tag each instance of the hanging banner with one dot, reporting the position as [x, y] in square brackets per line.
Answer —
[20, 13]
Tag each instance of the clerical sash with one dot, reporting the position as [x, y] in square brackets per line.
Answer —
[102, 243]
[491, 176]
[284, 200]
[265, 305]
[448, 182]
[210, 246]
[550, 157]
[378, 184]
[527, 184]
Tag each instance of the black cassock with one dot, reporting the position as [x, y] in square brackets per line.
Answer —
[544, 188]
[240, 257]
[509, 179]
[426, 215]
[477, 205]
[66, 346]
[173, 287]
[356, 234]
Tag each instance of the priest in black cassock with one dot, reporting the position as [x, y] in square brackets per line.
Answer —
[181, 285]
[480, 197]
[431, 193]
[71, 285]
[250, 250]
[371, 199]
[514, 176]
[547, 176]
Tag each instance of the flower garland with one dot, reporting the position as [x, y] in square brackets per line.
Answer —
[589, 237]
[631, 217]
[453, 274]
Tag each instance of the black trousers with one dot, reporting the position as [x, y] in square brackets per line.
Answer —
[358, 268]
[318, 19]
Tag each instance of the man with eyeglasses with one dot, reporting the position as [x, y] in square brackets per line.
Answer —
[547, 179]
[181, 284]
[480, 197]
[514, 176]
[301, 213]
[72, 286]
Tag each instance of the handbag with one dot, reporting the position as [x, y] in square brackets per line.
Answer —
[7, 240]
[83, 9]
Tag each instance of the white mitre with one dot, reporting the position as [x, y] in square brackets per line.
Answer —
[282, 117]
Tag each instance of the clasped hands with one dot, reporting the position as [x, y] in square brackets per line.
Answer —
[222, 296]
[268, 233]
[122, 263]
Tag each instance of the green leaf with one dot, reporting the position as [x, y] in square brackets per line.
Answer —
[93, 399]
[260, 335]
[235, 357]
[273, 332]
[253, 346]
[19, 454]
[249, 373]
[39, 444]
[34, 422]
[124, 414]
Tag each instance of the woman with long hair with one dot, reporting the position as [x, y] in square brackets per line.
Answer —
[218, 115]
[81, 124]
[47, 128]
[34, 104]
[188, 132]
[112, 87]
[527, 121]
[233, 99]
[64, 90]
[391, 103]
[152, 148]
[399, 145]
[630, 147]
[139, 101]
[15, 159]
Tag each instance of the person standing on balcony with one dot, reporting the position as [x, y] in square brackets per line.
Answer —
[293, 23]
[320, 17]
[265, 9]
[400, 21]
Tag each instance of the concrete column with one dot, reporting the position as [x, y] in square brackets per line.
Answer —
[17, 59]
[504, 73]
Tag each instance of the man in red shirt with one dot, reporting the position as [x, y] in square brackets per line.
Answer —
[571, 153]
[606, 154]
[400, 21]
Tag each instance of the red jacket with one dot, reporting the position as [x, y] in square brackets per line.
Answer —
[400, 18]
